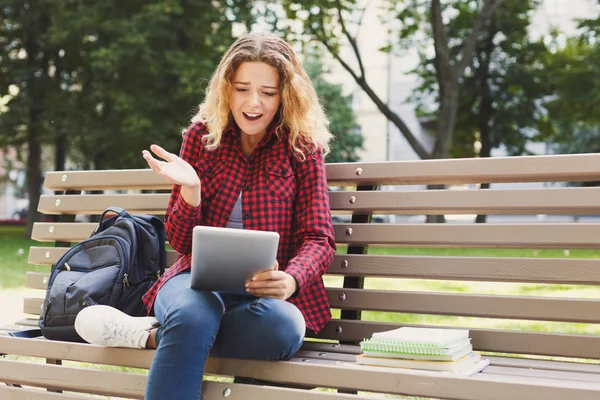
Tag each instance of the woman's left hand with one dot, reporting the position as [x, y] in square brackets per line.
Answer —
[273, 283]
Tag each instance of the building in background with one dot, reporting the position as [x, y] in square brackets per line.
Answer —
[13, 201]
[387, 74]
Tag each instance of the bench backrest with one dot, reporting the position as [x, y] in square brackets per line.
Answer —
[370, 280]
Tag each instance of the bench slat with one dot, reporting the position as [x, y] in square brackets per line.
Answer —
[439, 202]
[412, 383]
[322, 355]
[215, 390]
[562, 236]
[491, 202]
[466, 305]
[469, 305]
[575, 376]
[13, 393]
[134, 358]
[555, 168]
[492, 340]
[496, 269]
[545, 365]
[92, 381]
[96, 204]
[210, 391]
[49, 255]
[124, 179]
[479, 387]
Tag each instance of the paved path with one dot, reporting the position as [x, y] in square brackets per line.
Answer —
[11, 304]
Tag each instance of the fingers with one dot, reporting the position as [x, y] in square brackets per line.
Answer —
[276, 289]
[270, 275]
[162, 153]
[153, 163]
[273, 293]
[276, 284]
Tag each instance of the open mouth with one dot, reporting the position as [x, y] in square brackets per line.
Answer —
[252, 116]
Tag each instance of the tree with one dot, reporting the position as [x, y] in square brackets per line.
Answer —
[103, 80]
[574, 74]
[323, 20]
[26, 60]
[342, 121]
[145, 72]
[500, 94]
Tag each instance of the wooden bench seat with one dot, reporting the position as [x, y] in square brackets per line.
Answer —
[370, 284]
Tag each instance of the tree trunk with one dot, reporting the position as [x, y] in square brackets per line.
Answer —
[36, 90]
[60, 152]
[34, 171]
[435, 219]
[445, 127]
[485, 105]
[446, 119]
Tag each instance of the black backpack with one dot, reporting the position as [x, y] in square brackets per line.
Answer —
[123, 257]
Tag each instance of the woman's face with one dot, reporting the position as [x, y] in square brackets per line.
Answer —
[255, 98]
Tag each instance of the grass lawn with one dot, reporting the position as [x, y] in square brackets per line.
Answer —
[14, 249]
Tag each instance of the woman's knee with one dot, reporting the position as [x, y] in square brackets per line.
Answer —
[193, 310]
[289, 323]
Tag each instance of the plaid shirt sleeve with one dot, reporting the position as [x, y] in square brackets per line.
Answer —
[181, 218]
[314, 231]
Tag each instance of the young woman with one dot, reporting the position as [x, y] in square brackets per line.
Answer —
[252, 159]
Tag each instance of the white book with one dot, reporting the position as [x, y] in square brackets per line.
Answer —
[460, 366]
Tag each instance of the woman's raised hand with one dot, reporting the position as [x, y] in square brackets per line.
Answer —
[177, 171]
[173, 168]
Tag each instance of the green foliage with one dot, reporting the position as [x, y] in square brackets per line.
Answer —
[121, 75]
[572, 121]
[347, 136]
[24, 30]
[574, 73]
[501, 92]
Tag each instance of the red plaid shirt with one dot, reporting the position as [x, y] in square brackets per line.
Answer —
[278, 196]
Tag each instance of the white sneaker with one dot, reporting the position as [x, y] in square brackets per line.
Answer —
[107, 326]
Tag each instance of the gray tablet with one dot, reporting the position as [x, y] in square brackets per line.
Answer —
[223, 259]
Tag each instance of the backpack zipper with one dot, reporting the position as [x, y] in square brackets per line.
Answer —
[125, 281]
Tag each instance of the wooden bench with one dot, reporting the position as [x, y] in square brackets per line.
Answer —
[372, 287]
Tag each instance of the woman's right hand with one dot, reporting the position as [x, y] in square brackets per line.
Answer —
[175, 170]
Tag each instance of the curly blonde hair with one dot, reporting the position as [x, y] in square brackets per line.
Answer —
[300, 111]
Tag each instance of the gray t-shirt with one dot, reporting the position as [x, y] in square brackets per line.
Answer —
[235, 219]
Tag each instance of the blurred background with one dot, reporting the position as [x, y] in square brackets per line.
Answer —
[89, 84]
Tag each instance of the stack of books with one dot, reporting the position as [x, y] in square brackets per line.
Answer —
[430, 349]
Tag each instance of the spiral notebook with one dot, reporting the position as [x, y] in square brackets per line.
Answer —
[419, 342]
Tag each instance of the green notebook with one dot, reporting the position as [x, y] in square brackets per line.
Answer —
[418, 341]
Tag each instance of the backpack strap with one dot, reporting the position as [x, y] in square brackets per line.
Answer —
[159, 227]
[107, 221]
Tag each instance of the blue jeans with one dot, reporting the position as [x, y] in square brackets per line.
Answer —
[196, 322]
